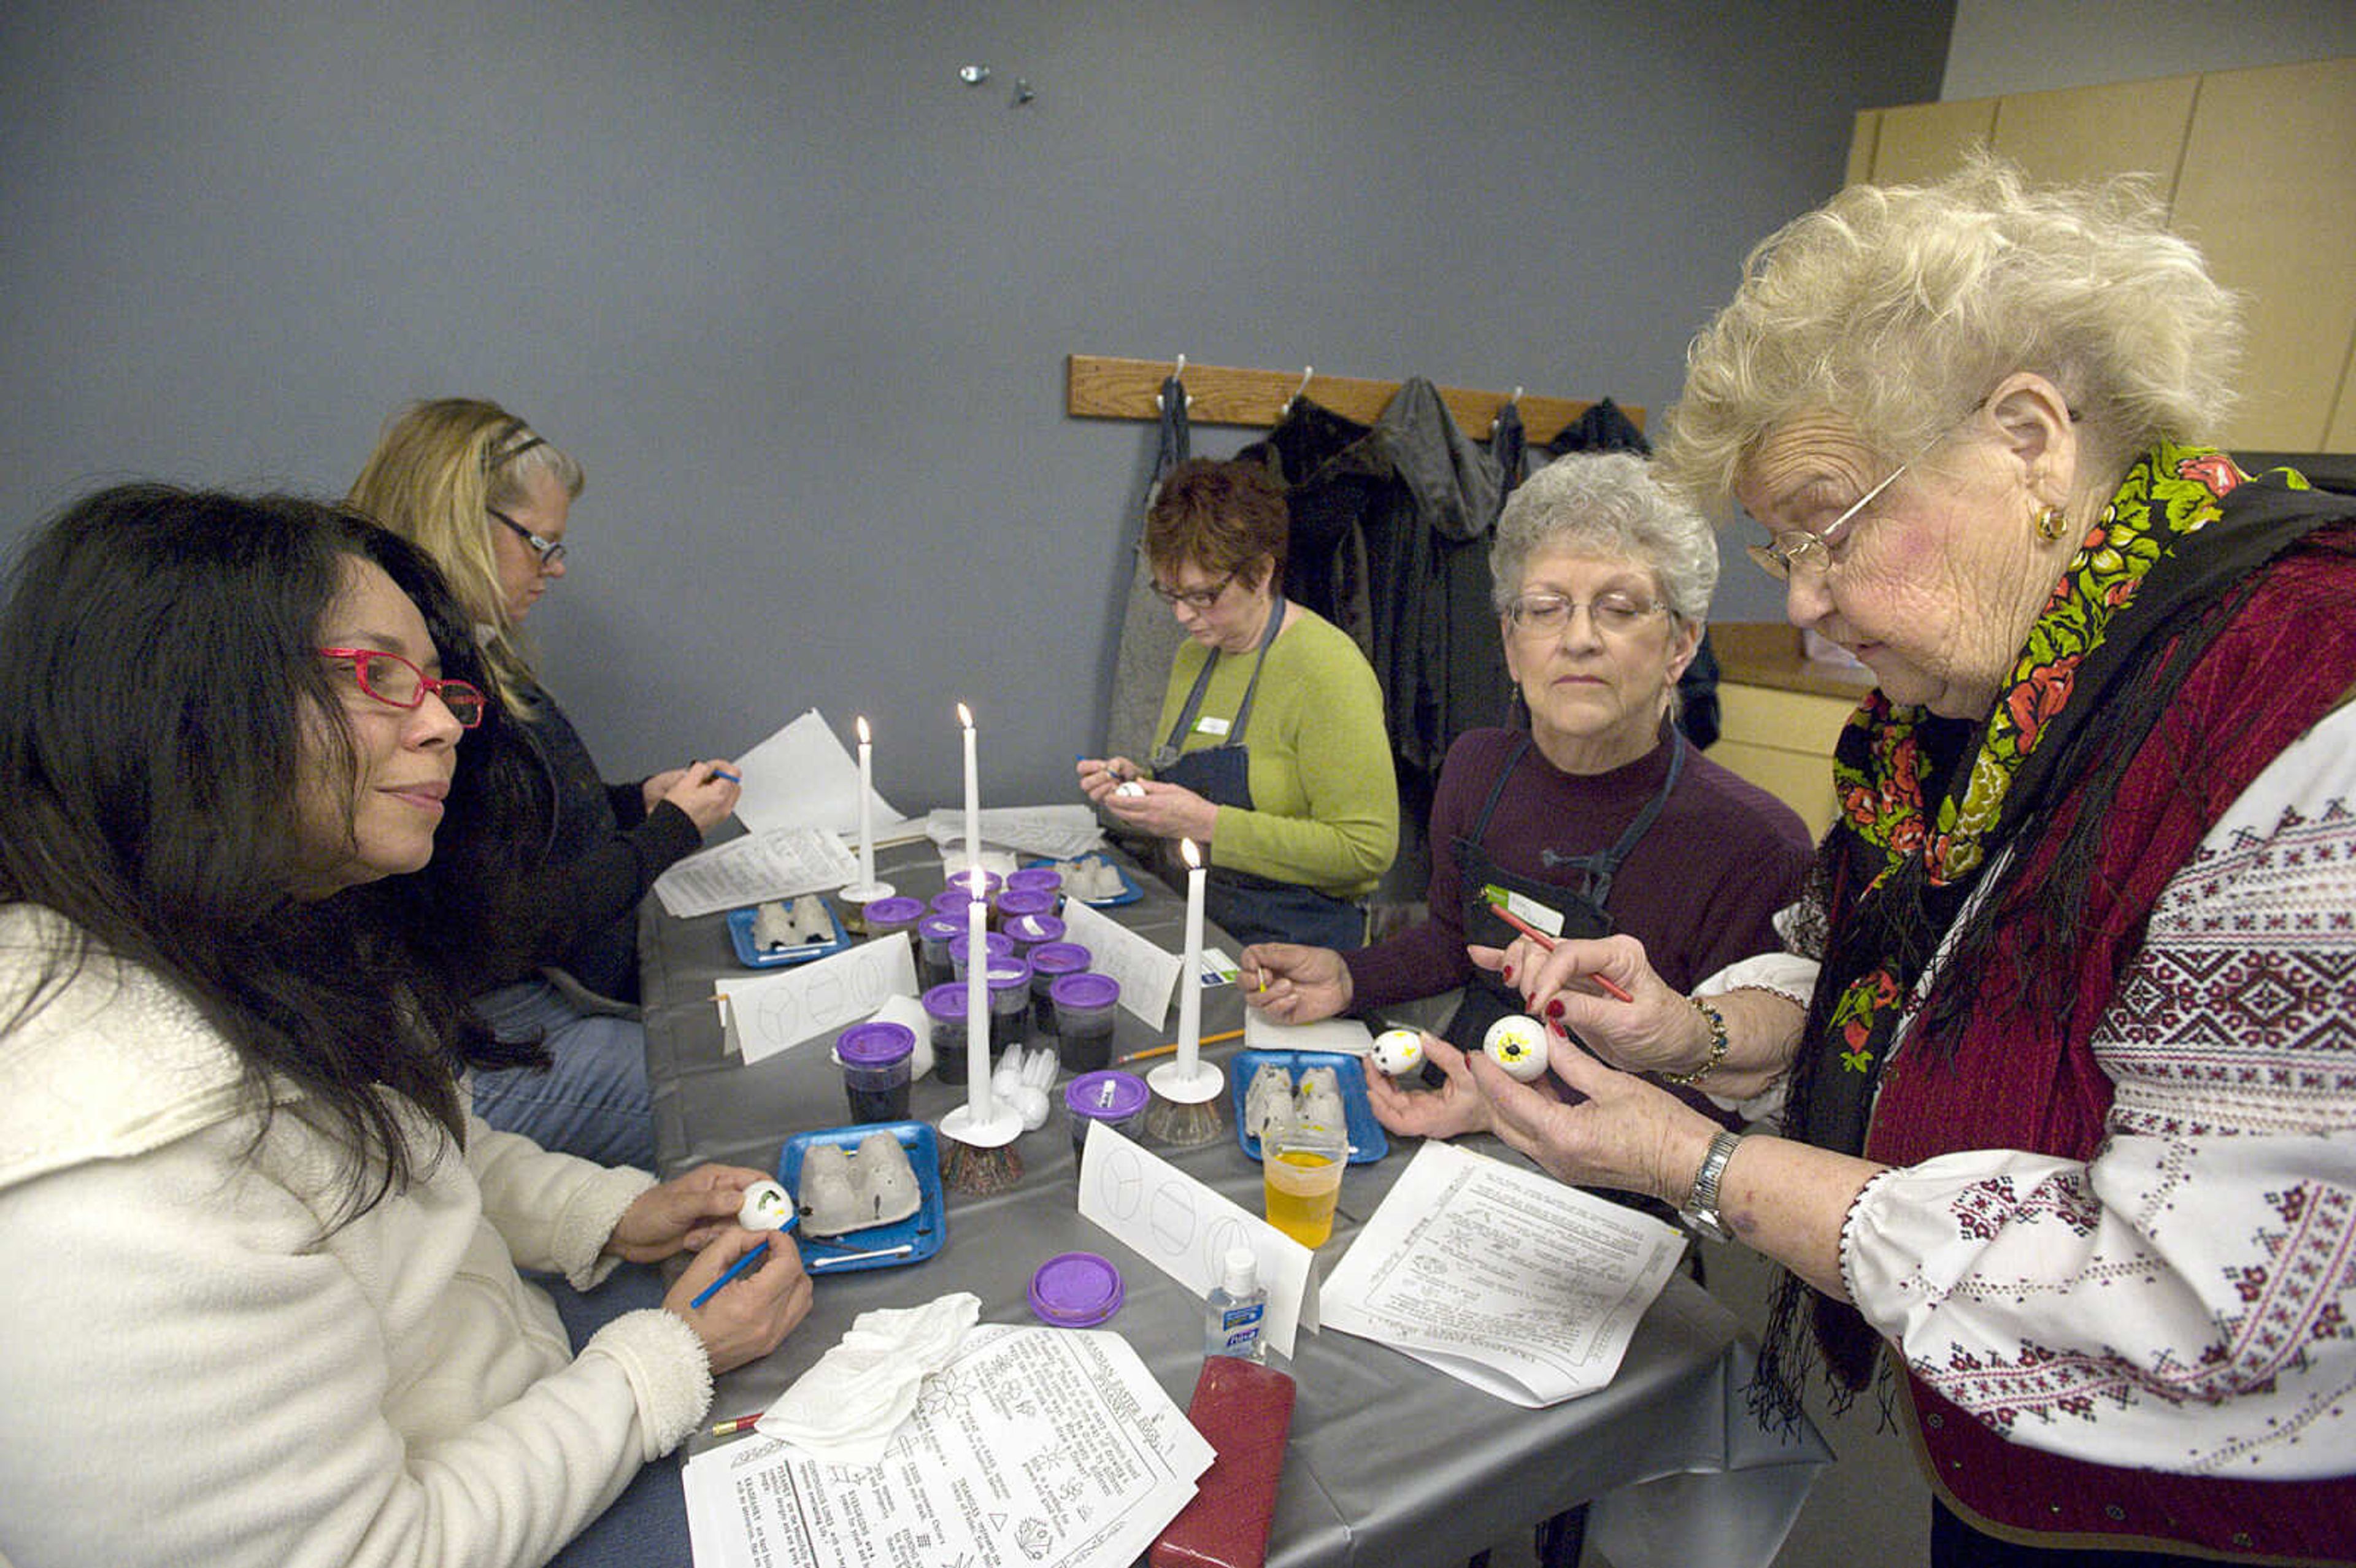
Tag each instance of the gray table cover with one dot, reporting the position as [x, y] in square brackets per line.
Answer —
[1390, 1462]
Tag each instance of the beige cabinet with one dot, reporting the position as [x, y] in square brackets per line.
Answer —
[2259, 168]
[1782, 742]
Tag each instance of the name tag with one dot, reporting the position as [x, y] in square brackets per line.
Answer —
[1524, 909]
[1208, 726]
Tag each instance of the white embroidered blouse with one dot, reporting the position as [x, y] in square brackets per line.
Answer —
[2186, 1300]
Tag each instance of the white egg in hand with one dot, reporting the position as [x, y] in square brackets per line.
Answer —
[1128, 789]
[766, 1207]
[1398, 1051]
[1516, 1044]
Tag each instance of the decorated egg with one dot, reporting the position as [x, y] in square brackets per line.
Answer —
[1516, 1044]
[1128, 789]
[1398, 1051]
[766, 1207]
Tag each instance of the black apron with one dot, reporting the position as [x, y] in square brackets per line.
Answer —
[1248, 908]
[1578, 902]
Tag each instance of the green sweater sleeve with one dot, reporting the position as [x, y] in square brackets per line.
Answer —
[1324, 799]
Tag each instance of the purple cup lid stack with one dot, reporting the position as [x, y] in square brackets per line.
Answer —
[897, 910]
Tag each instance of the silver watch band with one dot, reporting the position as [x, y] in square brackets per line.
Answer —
[1700, 1210]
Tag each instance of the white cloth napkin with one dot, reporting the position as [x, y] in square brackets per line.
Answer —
[847, 1407]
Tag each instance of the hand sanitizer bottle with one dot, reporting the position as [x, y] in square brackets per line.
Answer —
[1238, 1310]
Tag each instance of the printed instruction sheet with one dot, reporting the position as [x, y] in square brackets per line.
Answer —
[1035, 1448]
[1501, 1277]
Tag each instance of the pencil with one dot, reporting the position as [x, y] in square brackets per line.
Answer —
[742, 1423]
[1543, 940]
[1171, 1049]
[739, 1267]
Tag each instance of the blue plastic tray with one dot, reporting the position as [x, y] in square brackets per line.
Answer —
[1129, 893]
[921, 1232]
[739, 936]
[1367, 1143]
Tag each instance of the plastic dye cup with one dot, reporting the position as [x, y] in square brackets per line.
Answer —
[1015, 903]
[1038, 879]
[875, 1060]
[1300, 1178]
[1076, 1290]
[1084, 1020]
[996, 947]
[1010, 1004]
[1050, 962]
[1030, 931]
[945, 1011]
[937, 936]
[958, 894]
[890, 916]
[1116, 1098]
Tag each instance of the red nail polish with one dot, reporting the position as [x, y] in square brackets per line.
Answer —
[1507, 973]
[1556, 1025]
[1554, 1008]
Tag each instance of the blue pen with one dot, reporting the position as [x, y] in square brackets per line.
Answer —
[739, 1267]
[721, 773]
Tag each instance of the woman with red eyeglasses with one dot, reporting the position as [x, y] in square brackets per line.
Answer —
[490, 499]
[262, 1302]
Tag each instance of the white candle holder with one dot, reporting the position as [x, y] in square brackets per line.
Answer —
[1185, 1109]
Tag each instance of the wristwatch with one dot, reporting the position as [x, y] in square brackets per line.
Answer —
[1700, 1211]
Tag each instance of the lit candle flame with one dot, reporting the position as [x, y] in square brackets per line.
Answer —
[965, 716]
[1186, 852]
[862, 730]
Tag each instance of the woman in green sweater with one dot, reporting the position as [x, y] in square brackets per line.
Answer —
[1275, 762]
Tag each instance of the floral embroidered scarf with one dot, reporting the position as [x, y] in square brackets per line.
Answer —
[1889, 761]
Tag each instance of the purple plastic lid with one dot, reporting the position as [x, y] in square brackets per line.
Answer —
[876, 1043]
[947, 1001]
[959, 892]
[1059, 958]
[1076, 1290]
[1016, 901]
[1110, 1095]
[996, 947]
[1085, 991]
[1035, 879]
[1033, 928]
[1008, 972]
[940, 927]
[897, 910]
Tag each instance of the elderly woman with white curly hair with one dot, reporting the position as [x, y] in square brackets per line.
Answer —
[2068, 1016]
[1597, 818]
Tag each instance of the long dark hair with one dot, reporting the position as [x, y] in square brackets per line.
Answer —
[157, 677]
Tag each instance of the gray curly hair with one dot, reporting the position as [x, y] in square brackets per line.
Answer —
[1897, 306]
[1609, 503]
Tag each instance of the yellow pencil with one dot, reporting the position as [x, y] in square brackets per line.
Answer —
[1171, 1049]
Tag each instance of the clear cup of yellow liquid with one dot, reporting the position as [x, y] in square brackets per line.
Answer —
[1300, 1177]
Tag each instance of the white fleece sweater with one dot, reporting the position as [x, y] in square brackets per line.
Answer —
[191, 1372]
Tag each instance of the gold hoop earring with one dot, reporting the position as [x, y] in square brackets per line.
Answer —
[2050, 522]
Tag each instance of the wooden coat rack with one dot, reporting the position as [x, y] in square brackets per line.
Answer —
[1097, 387]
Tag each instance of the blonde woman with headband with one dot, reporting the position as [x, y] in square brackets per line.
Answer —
[490, 500]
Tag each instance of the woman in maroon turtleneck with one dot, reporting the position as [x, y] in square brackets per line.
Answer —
[1600, 817]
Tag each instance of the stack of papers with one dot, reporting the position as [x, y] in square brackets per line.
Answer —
[1057, 832]
[1047, 1447]
[1501, 1277]
[781, 863]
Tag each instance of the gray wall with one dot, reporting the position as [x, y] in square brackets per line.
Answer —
[799, 300]
[2030, 46]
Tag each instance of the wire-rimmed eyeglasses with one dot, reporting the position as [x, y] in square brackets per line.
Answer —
[395, 682]
[1549, 615]
[1812, 549]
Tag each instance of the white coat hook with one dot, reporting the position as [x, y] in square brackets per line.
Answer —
[1499, 417]
[1178, 376]
[1301, 391]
